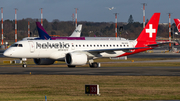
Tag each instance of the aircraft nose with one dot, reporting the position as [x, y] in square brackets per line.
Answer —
[7, 53]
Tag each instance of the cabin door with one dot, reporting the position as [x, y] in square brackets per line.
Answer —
[32, 47]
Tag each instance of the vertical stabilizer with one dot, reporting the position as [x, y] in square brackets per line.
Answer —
[177, 22]
[42, 32]
[150, 31]
[77, 31]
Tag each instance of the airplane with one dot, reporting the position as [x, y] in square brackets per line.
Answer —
[177, 22]
[44, 35]
[110, 8]
[80, 52]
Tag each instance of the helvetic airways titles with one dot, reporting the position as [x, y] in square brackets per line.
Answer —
[52, 45]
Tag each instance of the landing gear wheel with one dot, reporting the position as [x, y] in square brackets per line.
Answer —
[24, 65]
[71, 66]
[90, 65]
[94, 65]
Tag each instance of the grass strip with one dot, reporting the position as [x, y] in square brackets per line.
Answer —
[71, 87]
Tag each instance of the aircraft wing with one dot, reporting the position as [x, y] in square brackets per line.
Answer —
[115, 49]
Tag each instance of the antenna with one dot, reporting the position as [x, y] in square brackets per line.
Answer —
[116, 24]
[169, 30]
[73, 18]
[144, 4]
[2, 23]
[41, 16]
[28, 29]
[76, 16]
[16, 24]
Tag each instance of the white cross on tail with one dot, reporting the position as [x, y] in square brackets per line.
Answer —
[150, 30]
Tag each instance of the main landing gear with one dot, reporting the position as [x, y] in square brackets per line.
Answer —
[93, 64]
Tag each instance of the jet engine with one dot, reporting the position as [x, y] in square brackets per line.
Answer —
[76, 59]
[43, 61]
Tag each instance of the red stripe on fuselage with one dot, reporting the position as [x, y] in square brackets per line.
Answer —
[134, 52]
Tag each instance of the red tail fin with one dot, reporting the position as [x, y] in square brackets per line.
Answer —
[150, 31]
[177, 22]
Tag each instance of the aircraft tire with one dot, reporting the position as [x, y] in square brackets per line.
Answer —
[24, 65]
[71, 66]
[94, 65]
[90, 65]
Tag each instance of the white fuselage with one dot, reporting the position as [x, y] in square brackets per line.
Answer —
[57, 49]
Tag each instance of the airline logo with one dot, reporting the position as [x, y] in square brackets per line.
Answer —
[52, 45]
[150, 30]
[178, 26]
[78, 31]
[177, 21]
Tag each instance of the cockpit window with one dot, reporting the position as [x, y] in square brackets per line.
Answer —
[20, 45]
[17, 45]
[14, 45]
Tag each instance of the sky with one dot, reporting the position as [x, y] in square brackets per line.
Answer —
[90, 10]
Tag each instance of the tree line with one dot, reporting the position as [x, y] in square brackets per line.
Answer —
[129, 30]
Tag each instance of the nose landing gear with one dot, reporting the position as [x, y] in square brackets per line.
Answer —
[24, 63]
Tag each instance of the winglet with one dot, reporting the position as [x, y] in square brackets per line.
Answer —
[177, 22]
[77, 31]
[42, 32]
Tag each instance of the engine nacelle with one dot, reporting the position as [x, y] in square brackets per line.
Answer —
[43, 61]
[76, 58]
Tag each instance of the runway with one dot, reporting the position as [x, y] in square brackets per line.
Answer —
[108, 71]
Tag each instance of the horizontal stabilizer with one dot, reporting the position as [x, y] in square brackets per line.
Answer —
[160, 44]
